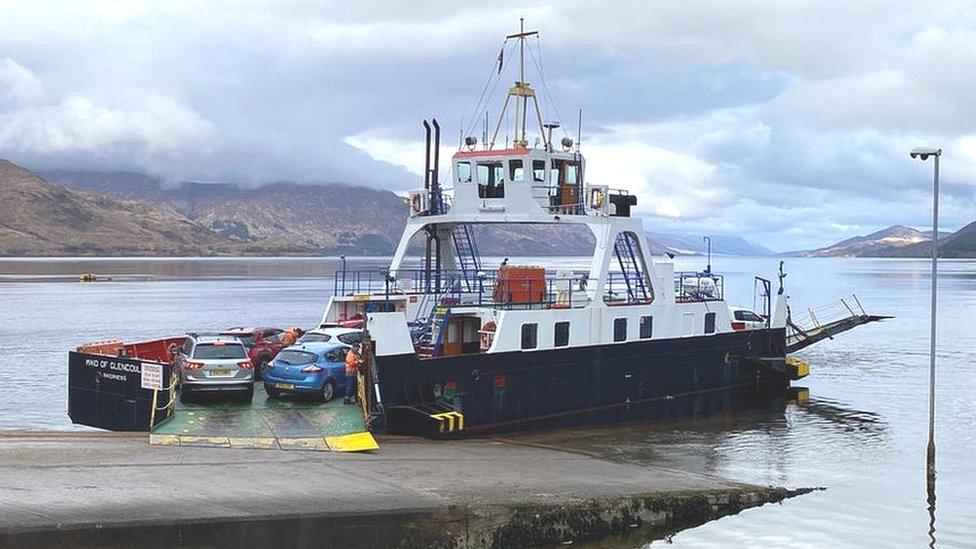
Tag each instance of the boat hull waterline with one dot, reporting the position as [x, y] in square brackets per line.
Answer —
[581, 385]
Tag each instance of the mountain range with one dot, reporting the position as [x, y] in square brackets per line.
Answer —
[122, 213]
[286, 218]
[899, 241]
[40, 218]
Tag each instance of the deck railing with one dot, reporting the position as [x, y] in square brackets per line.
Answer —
[690, 286]
[562, 289]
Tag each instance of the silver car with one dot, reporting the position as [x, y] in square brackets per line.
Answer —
[214, 364]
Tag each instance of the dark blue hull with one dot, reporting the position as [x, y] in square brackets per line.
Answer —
[601, 383]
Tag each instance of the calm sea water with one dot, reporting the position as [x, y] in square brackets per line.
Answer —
[861, 435]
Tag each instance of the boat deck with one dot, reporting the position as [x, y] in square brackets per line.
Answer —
[266, 423]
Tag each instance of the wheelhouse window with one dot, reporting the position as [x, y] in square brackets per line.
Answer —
[646, 327]
[464, 172]
[563, 178]
[620, 329]
[709, 323]
[530, 336]
[539, 171]
[491, 180]
[561, 334]
[516, 172]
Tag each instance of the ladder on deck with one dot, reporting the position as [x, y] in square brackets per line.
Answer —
[466, 252]
[624, 247]
[429, 341]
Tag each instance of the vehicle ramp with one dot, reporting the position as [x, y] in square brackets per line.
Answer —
[816, 325]
[266, 423]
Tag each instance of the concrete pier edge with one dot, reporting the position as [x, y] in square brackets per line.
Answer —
[84, 489]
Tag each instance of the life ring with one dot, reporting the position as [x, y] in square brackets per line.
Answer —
[416, 203]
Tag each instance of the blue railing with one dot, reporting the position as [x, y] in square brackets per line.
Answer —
[457, 286]
[559, 291]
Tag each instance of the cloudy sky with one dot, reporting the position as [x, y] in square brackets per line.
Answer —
[785, 122]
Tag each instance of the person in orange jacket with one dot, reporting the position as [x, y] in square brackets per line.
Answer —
[291, 335]
[352, 365]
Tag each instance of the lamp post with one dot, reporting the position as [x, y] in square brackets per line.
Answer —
[343, 258]
[708, 266]
[924, 154]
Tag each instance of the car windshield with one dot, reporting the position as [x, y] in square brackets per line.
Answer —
[219, 351]
[291, 357]
[350, 338]
[246, 339]
[747, 316]
[313, 337]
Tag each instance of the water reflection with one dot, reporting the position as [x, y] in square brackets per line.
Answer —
[721, 433]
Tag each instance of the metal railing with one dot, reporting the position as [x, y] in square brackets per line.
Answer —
[552, 291]
[513, 293]
[691, 286]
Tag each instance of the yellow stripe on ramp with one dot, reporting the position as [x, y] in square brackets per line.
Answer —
[253, 442]
[165, 440]
[303, 443]
[220, 442]
[356, 442]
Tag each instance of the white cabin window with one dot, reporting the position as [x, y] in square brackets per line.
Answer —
[560, 334]
[516, 172]
[491, 180]
[464, 172]
[646, 327]
[539, 171]
[620, 329]
[530, 336]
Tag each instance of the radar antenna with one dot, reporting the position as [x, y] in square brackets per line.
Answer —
[521, 91]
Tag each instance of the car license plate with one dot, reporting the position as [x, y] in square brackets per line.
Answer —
[284, 386]
[221, 373]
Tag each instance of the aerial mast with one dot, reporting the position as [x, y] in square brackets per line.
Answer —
[521, 91]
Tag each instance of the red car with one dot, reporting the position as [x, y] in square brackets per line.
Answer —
[262, 345]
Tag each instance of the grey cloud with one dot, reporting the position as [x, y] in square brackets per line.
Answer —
[796, 113]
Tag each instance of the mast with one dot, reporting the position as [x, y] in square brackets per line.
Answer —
[521, 91]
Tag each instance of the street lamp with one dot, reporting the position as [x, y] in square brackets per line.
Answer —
[708, 266]
[343, 258]
[924, 154]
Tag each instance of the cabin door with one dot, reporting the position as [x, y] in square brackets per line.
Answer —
[462, 336]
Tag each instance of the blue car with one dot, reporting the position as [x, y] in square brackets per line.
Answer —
[316, 369]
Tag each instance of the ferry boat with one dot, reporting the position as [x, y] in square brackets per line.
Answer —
[460, 346]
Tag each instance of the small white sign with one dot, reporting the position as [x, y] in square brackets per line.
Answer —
[152, 376]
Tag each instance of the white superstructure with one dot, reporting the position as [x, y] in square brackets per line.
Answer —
[452, 304]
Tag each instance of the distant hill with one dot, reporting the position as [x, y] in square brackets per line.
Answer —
[277, 218]
[686, 244]
[322, 218]
[879, 244]
[41, 218]
[961, 243]
[123, 213]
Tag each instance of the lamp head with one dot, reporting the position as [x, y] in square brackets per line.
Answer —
[923, 153]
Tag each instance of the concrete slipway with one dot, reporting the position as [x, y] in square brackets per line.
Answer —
[102, 489]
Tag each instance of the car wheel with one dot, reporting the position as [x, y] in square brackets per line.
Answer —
[328, 391]
[247, 397]
[273, 393]
[184, 396]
